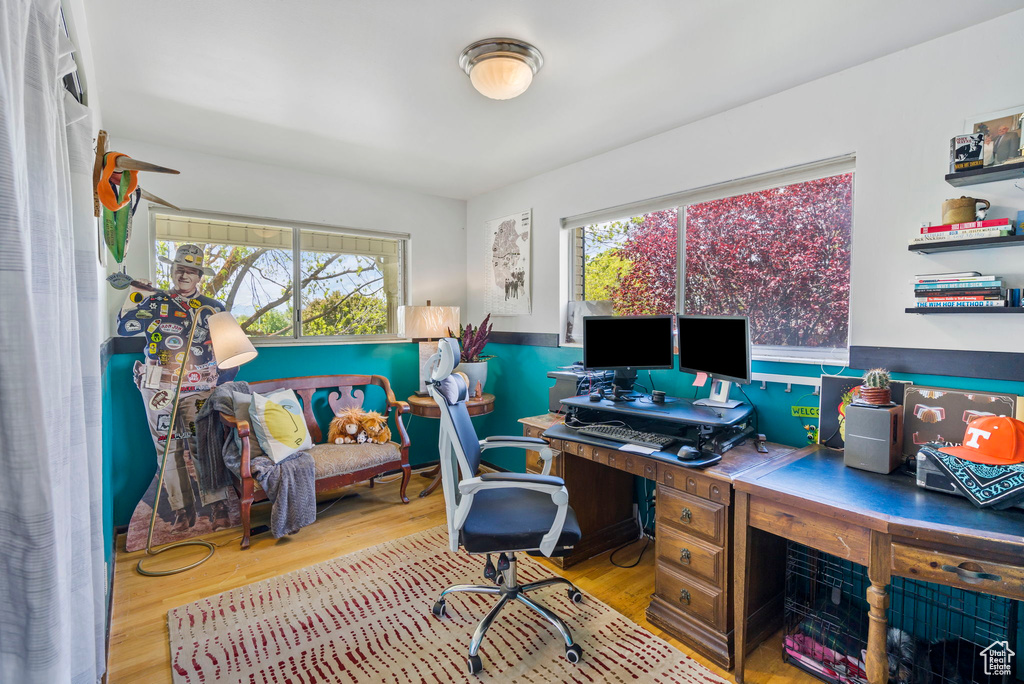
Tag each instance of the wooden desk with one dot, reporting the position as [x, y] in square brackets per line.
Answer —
[693, 539]
[884, 522]
[426, 407]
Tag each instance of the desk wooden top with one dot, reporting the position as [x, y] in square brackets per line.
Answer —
[735, 461]
[815, 479]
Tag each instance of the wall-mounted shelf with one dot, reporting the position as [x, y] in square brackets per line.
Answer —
[988, 175]
[966, 310]
[957, 245]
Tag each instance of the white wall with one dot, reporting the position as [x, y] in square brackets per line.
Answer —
[896, 113]
[436, 225]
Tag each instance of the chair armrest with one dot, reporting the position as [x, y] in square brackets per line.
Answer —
[559, 496]
[400, 407]
[244, 467]
[523, 477]
[526, 442]
[517, 442]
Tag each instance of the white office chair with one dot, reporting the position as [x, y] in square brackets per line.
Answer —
[500, 513]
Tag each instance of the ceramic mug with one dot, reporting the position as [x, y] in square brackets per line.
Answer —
[962, 210]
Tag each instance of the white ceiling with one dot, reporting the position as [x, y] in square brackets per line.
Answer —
[372, 89]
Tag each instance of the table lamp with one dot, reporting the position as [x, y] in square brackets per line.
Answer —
[231, 348]
[425, 324]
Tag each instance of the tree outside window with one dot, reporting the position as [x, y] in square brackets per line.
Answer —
[348, 284]
[780, 256]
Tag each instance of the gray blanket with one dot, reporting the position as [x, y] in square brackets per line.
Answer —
[290, 485]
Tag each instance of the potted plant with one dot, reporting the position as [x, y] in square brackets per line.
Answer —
[875, 389]
[472, 341]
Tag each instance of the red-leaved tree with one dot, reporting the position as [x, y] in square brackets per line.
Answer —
[779, 256]
[649, 287]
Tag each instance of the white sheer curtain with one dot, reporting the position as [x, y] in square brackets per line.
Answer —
[51, 538]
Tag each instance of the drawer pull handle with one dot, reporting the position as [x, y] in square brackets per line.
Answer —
[686, 515]
[684, 556]
[971, 575]
[684, 596]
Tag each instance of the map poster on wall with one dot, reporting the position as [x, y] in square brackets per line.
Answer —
[507, 279]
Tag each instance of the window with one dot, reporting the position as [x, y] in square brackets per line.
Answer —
[350, 283]
[775, 251]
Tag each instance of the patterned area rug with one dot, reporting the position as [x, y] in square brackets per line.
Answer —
[365, 617]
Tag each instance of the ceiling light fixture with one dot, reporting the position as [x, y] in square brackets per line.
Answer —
[501, 68]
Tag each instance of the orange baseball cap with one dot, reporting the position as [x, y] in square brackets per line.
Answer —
[992, 440]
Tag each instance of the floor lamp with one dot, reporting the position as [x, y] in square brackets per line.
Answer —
[423, 324]
[231, 348]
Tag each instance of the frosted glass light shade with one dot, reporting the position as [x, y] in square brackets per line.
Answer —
[501, 68]
[501, 78]
[424, 322]
[231, 346]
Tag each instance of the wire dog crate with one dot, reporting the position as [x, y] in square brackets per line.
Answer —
[937, 634]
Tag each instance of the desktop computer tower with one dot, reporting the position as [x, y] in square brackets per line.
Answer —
[874, 438]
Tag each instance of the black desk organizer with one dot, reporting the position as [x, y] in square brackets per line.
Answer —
[941, 630]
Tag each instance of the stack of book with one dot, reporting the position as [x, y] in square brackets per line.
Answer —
[954, 290]
[964, 231]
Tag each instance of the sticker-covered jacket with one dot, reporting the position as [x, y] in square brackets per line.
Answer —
[166, 321]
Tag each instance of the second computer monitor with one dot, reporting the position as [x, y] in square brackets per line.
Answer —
[718, 346]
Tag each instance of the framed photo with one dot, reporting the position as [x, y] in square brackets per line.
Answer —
[1002, 135]
[836, 394]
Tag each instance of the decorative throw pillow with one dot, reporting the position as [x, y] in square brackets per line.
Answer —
[242, 404]
[279, 424]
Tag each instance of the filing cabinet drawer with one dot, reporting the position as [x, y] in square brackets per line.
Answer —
[699, 517]
[966, 572]
[691, 555]
[690, 595]
[690, 481]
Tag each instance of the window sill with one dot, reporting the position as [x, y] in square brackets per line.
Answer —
[326, 341]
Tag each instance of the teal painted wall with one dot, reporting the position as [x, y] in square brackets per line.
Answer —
[130, 458]
[517, 377]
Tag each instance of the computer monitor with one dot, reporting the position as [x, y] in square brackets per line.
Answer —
[720, 347]
[626, 344]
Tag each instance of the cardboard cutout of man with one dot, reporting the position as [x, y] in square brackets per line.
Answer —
[165, 320]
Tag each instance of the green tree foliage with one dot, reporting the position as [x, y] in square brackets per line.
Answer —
[342, 294]
[356, 314]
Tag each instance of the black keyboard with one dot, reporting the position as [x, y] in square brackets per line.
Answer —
[626, 435]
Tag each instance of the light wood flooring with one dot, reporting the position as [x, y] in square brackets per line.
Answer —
[139, 650]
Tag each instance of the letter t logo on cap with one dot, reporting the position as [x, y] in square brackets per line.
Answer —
[975, 433]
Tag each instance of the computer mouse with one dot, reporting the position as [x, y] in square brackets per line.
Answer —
[689, 453]
[596, 396]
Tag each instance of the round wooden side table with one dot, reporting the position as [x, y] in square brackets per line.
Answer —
[426, 407]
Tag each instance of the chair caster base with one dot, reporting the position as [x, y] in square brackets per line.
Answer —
[474, 665]
[575, 595]
[440, 609]
[573, 653]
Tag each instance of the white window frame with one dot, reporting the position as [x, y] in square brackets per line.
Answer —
[296, 338]
[681, 200]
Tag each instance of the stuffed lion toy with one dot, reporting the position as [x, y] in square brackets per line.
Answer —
[376, 427]
[346, 428]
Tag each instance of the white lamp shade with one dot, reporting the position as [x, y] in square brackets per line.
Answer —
[501, 78]
[231, 346]
[425, 322]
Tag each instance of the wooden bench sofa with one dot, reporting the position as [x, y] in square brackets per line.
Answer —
[337, 465]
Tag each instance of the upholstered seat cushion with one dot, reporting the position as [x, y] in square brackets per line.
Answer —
[341, 459]
[509, 519]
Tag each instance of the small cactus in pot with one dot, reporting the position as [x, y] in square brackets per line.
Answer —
[874, 388]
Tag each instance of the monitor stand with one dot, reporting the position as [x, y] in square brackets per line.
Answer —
[624, 379]
[719, 396]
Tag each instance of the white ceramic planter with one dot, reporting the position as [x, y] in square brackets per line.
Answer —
[476, 372]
